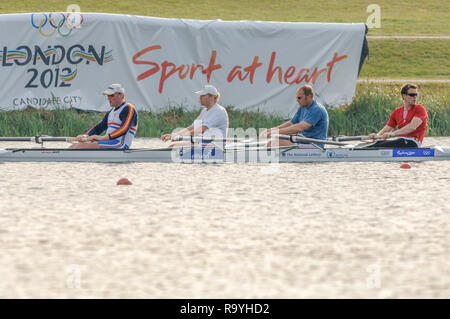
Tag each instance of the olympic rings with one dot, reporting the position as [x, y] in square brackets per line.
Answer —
[54, 25]
[42, 23]
[47, 35]
[59, 29]
[72, 20]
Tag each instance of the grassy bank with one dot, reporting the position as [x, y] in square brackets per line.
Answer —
[413, 17]
[388, 58]
[368, 113]
[400, 58]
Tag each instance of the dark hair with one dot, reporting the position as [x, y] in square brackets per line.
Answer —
[406, 87]
[308, 90]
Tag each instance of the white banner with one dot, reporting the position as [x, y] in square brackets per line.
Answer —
[68, 59]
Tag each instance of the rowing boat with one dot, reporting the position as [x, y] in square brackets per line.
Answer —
[214, 151]
[215, 154]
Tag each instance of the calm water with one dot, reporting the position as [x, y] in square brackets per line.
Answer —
[332, 230]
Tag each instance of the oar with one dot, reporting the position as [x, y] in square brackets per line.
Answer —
[356, 138]
[301, 139]
[38, 139]
[248, 145]
[200, 139]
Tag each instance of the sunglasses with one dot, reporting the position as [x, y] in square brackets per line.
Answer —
[412, 94]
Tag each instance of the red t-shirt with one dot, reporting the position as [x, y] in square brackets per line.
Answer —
[399, 119]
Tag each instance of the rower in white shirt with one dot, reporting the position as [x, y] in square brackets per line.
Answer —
[212, 121]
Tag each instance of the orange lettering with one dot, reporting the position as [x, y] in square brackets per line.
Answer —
[181, 68]
[299, 77]
[236, 72]
[316, 74]
[212, 66]
[165, 76]
[289, 72]
[271, 70]
[252, 68]
[194, 68]
[332, 62]
[151, 71]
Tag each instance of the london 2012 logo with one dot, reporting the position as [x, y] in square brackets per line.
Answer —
[54, 64]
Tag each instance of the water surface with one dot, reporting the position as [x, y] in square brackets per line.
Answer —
[330, 230]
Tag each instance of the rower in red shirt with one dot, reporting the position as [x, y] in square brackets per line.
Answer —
[410, 120]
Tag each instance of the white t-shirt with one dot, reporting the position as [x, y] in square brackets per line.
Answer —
[215, 119]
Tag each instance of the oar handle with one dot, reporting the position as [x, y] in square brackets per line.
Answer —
[57, 139]
[302, 139]
[196, 138]
[356, 138]
[178, 138]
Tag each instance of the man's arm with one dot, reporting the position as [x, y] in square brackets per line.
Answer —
[408, 128]
[295, 128]
[99, 127]
[184, 132]
[385, 129]
[268, 132]
[93, 133]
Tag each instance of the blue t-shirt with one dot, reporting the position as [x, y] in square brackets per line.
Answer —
[317, 116]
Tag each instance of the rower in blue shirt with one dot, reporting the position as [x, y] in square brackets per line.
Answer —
[311, 120]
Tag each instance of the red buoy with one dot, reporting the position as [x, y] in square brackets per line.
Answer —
[124, 181]
[406, 165]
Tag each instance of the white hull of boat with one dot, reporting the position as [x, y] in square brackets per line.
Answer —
[216, 155]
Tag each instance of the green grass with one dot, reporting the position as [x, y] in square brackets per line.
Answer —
[31, 122]
[399, 58]
[412, 17]
[388, 58]
[368, 113]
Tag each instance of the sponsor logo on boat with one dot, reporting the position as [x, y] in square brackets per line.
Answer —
[385, 153]
[333, 154]
[426, 152]
[301, 154]
[200, 154]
